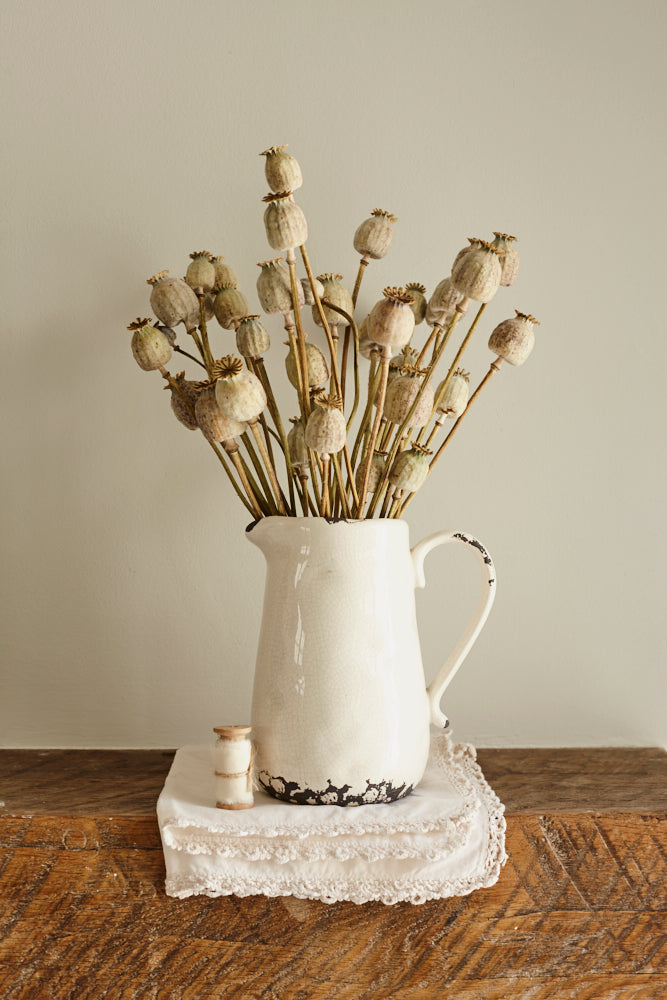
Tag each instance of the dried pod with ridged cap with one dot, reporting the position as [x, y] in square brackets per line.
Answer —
[410, 469]
[296, 442]
[451, 398]
[419, 305]
[510, 257]
[378, 465]
[200, 274]
[274, 288]
[172, 300]
[283, 172]
[401, 394]
[309, 298]
[473, 242]
[513, 339]
[224, 273]
[184, 399]
[213, 423]
[252, 337]
[150, 346]
[318, 370]
[230, 305]
[336, 293]
[285, 223]
[326, 429]
[478, 272]
[392, 321]
[373, 237]
[239, 393]
[442, 304]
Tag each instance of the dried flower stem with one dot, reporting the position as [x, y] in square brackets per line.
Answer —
[195, 336]
[351, 327]
[495, 367]
[325, 509]
[191, 356]
[386, 501]
[335, 378]
[373, 384]
[206, 348]
[266, 496]
[431, 338]
[301, 339]
[403, 427]
[301, 378]
[263, 376]
[363, 264]
[396, 504]
[253, 425]
[235, 485]
[370, 444]
[342, 496]
[232, 450]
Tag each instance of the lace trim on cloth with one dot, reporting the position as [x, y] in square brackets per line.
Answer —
[387, 890]
[283, 843]
[389, 862]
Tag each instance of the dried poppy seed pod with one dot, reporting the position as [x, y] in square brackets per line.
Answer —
[443, 303]
[230, 306]
[406, 358]
[451, 398]
[172, 300]
[401, 394]
[513, 339]
[326, 429]
[274, 289]
[378, 465]
[318, 370]
[200, 274]
[419, 305]
[296, 442]
[309, 298]
[184, 399]
[239, 393]
[284, 221]
[224, 273]
[510, 257]
[392, 321]
[338, 295]
[410, 469]
[213, 423]
[478, 272]
[283, 172]
[252, 337]
[366, 345]
[150, 346]
[473, 242]
[373, 237]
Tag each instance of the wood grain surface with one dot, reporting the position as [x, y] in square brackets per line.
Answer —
[579, 912]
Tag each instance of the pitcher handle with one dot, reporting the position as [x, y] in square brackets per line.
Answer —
[436, 689]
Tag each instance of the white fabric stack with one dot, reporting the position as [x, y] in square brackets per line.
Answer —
[447, 838]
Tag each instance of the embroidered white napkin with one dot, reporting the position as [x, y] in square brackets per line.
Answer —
[446, 838]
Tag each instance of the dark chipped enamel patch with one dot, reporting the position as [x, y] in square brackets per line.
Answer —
[290, 791]
[476, 545]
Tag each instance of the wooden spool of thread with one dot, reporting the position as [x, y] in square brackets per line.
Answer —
[233, 754]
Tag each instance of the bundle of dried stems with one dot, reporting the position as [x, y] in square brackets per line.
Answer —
[336, 461]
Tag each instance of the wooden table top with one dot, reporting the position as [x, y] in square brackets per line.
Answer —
[128, 782]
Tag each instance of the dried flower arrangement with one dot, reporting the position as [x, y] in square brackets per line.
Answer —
[329, 465]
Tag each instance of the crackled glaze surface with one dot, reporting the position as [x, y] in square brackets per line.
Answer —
[340, 710]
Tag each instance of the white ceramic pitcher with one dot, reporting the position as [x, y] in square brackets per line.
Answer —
[340, 710]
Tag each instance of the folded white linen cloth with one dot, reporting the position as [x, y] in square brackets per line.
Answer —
[446, 838]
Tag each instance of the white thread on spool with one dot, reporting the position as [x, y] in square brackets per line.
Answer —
[232, 757]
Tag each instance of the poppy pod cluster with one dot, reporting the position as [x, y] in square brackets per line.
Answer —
[372, 394]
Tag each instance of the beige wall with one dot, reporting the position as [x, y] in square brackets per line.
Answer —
[130, 598]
